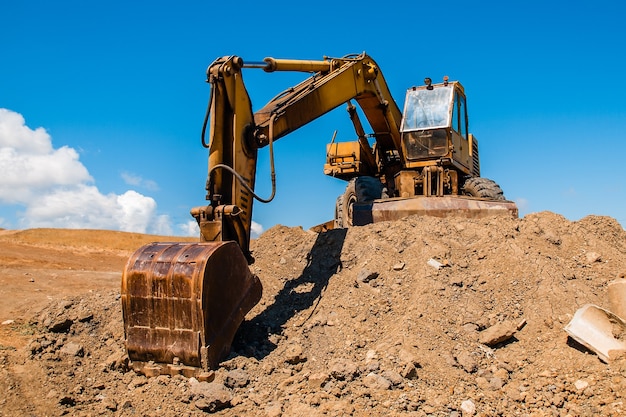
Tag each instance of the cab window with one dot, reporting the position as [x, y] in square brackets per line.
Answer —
[459, 115]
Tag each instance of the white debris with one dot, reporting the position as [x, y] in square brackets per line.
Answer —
[435, 263]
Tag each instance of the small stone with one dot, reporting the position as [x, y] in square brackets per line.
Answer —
[399, 266]
[237, 378]
[273, 410]
[73, 349]
[138, 381]
[342, 369]
[394, 377]
[212, 396]
[593, 257]
[117, 360]
[7, 322]
[294, 354]
[467, 362]
[581, 385]
[318, 380]
[497, 333]
[109, 404]
[365, 276]
[468, 408]
[375, 381]
[370, 355]
[409, 371]
[60, 325]
[496, 383]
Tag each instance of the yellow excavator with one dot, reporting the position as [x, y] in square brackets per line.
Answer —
[182, 303]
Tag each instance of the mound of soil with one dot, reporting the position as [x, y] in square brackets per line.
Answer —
[422, 316]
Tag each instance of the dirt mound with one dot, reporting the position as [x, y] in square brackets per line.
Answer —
[423, 316]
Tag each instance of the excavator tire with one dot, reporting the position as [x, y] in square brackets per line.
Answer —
[339, 212]
[483, 188]
[359, 190]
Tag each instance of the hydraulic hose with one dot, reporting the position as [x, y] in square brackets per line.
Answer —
[238, 176]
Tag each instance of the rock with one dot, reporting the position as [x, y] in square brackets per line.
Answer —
[365, 276]
[7, 322]
[467, 362]
[294, 354]
[137, 381]
[372, 366]
[72, 349]
[592, 257]
[496, 383]
[273, 409]
[117, 360]
[375, 381]
[237, 378]
[343, 370]
[59, 325]
[109, 404]
[317, 380]
[211, 396]
[468, 408]
[370, 355]
[497, 333]
[67, 401]
[333, 319]
[394, 377]
[409, 371]
[399, 266]
[581, 385]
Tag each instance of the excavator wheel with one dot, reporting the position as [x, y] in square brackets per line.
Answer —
[359, 190]
[339, 212]
[182, 304]
[483, 188]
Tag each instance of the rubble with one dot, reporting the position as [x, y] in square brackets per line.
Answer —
[342, 329]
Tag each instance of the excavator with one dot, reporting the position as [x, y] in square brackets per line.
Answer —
[183, 303]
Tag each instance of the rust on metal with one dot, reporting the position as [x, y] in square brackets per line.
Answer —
[182, 304]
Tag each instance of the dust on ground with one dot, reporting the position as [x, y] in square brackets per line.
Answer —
[422, 316]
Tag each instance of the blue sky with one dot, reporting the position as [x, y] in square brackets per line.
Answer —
[103, 102]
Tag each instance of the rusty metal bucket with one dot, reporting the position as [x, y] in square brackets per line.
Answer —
[182, 304]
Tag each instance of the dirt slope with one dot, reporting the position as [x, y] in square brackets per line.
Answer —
[386, 319]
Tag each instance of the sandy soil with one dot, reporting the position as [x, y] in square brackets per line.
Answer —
[395, 318]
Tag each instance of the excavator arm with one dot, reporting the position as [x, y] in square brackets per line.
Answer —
[236, 133]
[232, 158]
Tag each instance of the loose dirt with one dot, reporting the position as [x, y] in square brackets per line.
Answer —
[422, 316]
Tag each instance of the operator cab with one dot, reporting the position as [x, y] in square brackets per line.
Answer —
[434, 120]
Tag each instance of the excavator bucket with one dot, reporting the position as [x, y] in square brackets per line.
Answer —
[183, 303]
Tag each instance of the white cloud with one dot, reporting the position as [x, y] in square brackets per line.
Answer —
[190, 228]
[29, 163]
[522, 204]
[256, 230]
[57, 190]
[137, 181]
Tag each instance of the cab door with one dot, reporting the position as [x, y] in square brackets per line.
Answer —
[459, 135]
